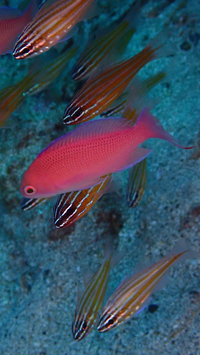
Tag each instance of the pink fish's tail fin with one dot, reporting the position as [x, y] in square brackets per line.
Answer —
[152, 128]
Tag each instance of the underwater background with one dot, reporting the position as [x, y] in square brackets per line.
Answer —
[41, 266]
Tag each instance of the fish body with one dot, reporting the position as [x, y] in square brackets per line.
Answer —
[52, 22]
[136, 183]
[140, 91]
[81, 158]
[12, 96]
[132, 294]
[46, 73]
[95, 52]
[89, 304]
[12, 22]
[73, 205]
[100, 91]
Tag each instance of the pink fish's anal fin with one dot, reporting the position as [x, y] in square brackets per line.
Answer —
[134, 157]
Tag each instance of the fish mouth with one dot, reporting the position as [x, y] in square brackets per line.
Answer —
[72, 114]
[21, 51]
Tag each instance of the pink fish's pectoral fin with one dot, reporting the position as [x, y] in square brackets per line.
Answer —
[135, 157]
[74, 184]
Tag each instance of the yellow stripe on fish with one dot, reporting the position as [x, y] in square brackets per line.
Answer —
[136, 183]
[52, 22]
[89, 304]
[132, 295]
[101, 90]
[73, 205]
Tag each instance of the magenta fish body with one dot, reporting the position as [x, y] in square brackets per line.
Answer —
[80, 159]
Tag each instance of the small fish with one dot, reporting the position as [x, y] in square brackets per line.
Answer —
[73, 205]
[79, 159]
[29, 203]
[53, 21]
[12, 96]
[89, 304]
[100, 91]
[12, 22]
[49, 71]
[136, 183]
[99, 48]
[133, 294]
[34, 82]
[119, 105]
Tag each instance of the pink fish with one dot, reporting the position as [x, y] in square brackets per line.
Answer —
[12, 22]
[80, 159]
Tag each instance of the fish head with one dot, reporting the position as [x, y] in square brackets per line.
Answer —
[37, 182]
[29, 44]
[80, 327]
[23, 49]
[108, 320]
[73, 114]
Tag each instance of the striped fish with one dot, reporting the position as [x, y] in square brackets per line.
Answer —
[100, 91]
[73, 205]
[136, 183]
[53, 21]
[35, 81]
[49, 71]
[90, 302]
[133, 294]
[119, 105]
[29, 203]
[95, 52]
[12, 96]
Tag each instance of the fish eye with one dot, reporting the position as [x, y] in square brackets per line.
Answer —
[110, 322]
[24, 51]
[29, 190]
[84, 325]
